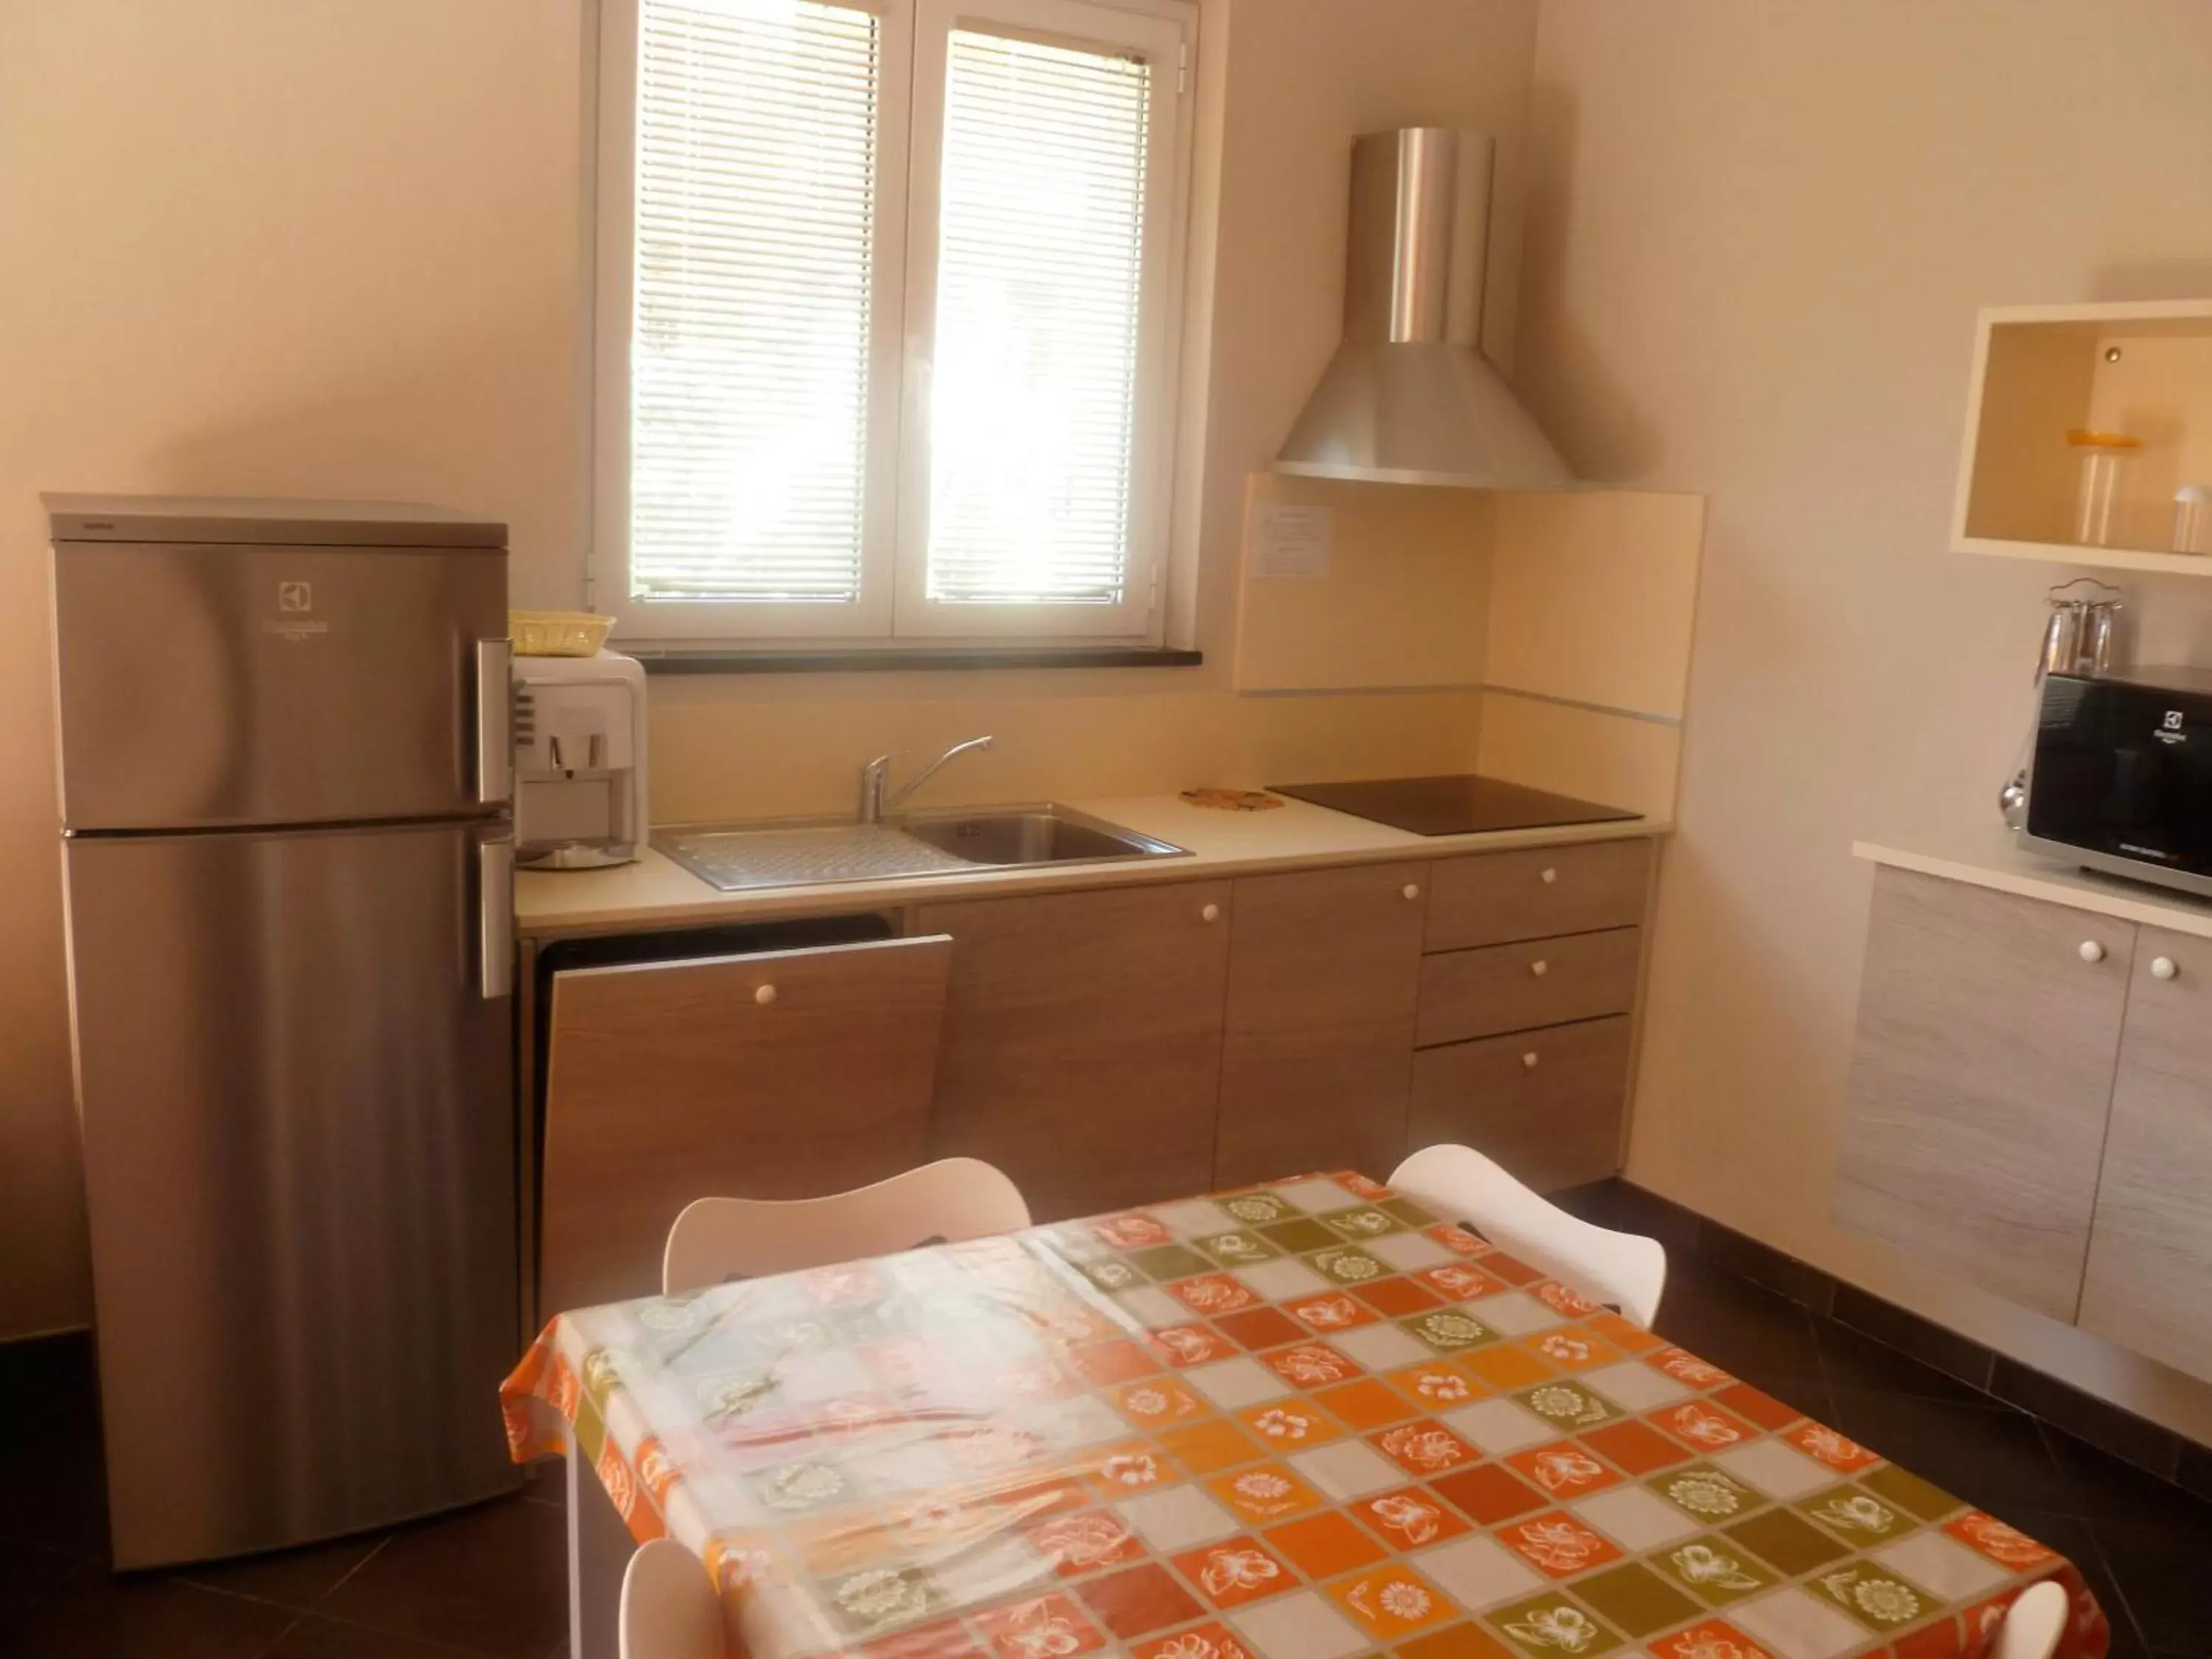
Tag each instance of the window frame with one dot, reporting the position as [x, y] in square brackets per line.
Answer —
[614, 283]
[893, 611]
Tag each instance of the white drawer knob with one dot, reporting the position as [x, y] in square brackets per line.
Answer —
[2092, 951]
[765, 995]
[2164, 967]
[1211, 913]
[1412, 890]
[1550, 876]
[1528, 1059]
[1540, 967]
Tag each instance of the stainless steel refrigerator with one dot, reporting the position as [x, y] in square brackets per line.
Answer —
[285, 764]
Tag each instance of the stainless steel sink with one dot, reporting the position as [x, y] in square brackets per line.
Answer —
[1032, 834]
[822, 852]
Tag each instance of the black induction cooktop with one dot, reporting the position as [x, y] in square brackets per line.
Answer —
[1457, 806]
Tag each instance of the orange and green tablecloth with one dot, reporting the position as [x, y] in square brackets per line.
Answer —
[1303, 1420]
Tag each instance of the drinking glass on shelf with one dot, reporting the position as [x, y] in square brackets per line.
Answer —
[2104, 455]
[2192, 519]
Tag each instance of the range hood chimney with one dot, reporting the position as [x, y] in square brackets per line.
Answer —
[1409, 397]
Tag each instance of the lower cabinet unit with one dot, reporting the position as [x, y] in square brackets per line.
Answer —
[785, 1074]
[1524, 1030]
[2149, 1281]
[1546, 1104]
[1988, 1026]
[1324, 973]
[1082, 1044]
[1106, 1046]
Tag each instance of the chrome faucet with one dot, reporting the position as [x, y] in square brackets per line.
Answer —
[877, 774]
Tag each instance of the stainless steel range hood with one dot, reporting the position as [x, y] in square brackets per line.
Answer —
[1409, 397]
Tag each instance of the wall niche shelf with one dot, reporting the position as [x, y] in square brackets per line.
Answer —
[2140, 367]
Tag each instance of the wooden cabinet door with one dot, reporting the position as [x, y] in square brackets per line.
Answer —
[2149, 1281]
[1082, 1050]
[1981, 1077]
[1545, 1105]
[667, 1081]
[1324, 975]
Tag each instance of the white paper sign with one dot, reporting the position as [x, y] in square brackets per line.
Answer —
[1291, 541]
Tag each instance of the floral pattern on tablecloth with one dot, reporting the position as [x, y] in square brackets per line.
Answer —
[1304, 1420]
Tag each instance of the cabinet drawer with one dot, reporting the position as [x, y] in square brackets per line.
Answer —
[1536, 893]
[1509, 988]
[1545, 1105]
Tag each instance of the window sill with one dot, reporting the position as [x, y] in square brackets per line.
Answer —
[906, 659]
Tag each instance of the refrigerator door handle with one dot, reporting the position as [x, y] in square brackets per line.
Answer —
[494, 721]
[495, 917]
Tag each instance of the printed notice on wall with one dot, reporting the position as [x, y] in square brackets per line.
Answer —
[1290, 541]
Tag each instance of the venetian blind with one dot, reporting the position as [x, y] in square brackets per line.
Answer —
[1041, 247]
[756, 134]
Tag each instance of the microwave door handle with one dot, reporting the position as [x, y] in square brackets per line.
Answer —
[495, 917]
[494, 721]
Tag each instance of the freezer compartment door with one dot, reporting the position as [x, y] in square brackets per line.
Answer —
[301, 1158]
[263, 685]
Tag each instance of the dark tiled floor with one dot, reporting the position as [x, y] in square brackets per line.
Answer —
[489, 1581]
[2144, 1544]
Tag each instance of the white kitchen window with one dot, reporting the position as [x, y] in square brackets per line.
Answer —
[887, 318]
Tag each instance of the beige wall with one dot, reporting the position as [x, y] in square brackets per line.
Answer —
[1758, 234]
[331, 248]
[317, 249]
[1298, 78]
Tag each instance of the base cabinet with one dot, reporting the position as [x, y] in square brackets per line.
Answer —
[1545, 1105]
[1524, 1032]
[2149, 1282]
[1082, 1045]
[1105, 1047]
[1324, 977]
[1988, 1026]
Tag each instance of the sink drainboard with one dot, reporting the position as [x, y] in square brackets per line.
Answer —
[736, 860]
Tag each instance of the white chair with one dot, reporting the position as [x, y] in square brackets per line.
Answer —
[953, 1198]
[668, 1609]
[2033, 1623]
[1461, 1185]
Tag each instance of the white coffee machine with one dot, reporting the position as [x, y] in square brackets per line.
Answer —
[579, 761]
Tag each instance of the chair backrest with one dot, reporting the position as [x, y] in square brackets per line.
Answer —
[1461, 1184]
[953, 1198]
[669, 1608]
[2033, 1623]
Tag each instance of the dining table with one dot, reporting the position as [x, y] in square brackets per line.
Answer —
[1305, 1419]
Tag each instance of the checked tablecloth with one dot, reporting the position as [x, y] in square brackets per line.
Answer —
[1303, 1420]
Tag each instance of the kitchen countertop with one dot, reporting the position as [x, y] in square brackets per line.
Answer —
[1986, 855]
[656, 892]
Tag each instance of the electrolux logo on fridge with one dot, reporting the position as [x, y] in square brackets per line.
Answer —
[295, 599]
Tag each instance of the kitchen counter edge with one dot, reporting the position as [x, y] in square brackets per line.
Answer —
[1986, 855]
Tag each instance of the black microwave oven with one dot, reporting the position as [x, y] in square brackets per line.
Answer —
[2121, 777]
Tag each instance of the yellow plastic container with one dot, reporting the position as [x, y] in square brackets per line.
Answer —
[557, 633]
